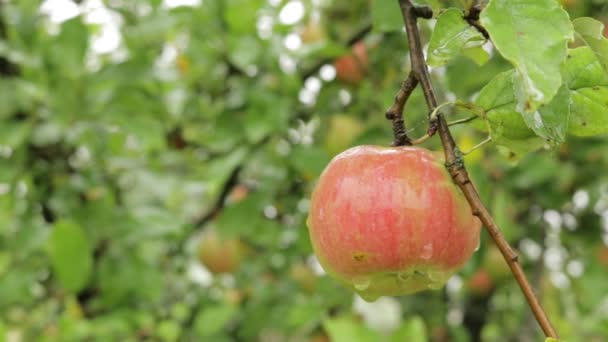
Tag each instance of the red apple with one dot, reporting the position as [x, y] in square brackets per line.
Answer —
[390, 221]
[220, 255]
[351, 68]
[481, 283]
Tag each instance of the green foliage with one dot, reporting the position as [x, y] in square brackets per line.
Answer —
[512, 25]
[450, 36]
[123, 140]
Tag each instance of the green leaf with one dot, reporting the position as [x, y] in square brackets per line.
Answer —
[211, 320]
[588, 85]
[506, 126]
[267, 113]
[452, 35]
[386, 16]
[521, 33]
[70, 255]
[498, 98]
[346, 329]
[551, 120]
[412, 330]
[591, 32]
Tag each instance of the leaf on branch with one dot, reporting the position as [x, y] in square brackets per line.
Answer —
[579, 108]
[591, 32]
[587, 82]
[504, 123]
[533, 36]
[452, 36]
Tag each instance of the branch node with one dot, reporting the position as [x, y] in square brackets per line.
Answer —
[423, 12]
[433, 126]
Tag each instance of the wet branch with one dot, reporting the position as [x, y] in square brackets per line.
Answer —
[457, 170]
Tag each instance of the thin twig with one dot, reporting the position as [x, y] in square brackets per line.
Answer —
[485, 141]
[463, 120]
[457, 170]
[473, 19]
[395, 112]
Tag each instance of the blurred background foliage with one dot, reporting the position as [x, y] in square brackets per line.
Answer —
[156, 158]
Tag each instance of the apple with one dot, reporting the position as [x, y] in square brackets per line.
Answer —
[312, 32]
[238, 193]
[220, 255]
[351, 68]
[343, 129]
[390, 221]
[495, 264]
[602, 255]
[304, 277]
[481, 283]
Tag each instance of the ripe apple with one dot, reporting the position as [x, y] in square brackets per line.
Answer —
[220, 255]
[390, 221]
[351, 68]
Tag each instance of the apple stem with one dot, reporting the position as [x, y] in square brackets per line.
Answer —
[485, 141]
[457, 169]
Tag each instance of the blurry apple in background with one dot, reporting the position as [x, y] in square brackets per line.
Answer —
[343, 129]
[389, 221]
[351, 68]
[480, 283]
[602, 255]
[495, 264]
[312, 32]
[304, 277]
[220, 255]
[238, 193]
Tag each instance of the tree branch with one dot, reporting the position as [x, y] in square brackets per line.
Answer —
[395, 112]
[457, 170]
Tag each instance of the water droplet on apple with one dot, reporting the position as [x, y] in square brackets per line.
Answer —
[478, 245]
[427, 251]
[368, 297]
[436, 276]
[362, 283]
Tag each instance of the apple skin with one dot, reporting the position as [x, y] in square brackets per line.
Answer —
[220, 255]
[351, 68]
[390, 221]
